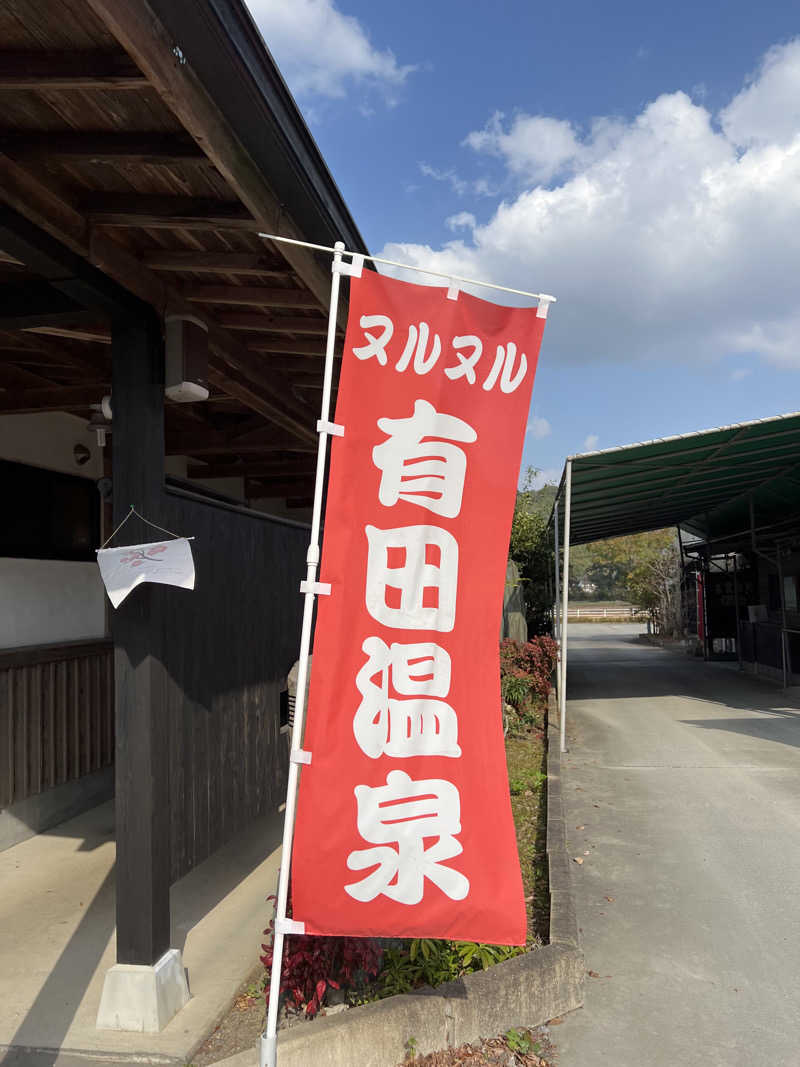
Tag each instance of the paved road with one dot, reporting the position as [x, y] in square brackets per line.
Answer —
[682, 793]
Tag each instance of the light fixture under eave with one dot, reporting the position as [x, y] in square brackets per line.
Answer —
[186, 349]
[100, 421]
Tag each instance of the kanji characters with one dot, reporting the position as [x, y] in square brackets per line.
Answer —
[421, 726]
[403, 813]
[418, 462]
[412, 574]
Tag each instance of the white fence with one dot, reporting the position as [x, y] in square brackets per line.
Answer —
[589, 612]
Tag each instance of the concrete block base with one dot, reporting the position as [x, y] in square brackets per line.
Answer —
[142, 998]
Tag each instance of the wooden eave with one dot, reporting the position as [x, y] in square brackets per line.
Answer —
[155, 140]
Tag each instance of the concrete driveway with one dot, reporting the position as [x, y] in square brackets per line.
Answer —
[682, 797]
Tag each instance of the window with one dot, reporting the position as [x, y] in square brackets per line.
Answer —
[48, 515]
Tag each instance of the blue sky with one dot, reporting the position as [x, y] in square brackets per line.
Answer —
[641, 162]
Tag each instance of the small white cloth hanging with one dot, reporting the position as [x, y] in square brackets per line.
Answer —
[164, 562]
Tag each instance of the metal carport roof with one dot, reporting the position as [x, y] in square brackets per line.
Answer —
[703, 482]
[726, 486]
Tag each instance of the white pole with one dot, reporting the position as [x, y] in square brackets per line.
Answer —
[268, 1055]
[565, 608]
[557, 618]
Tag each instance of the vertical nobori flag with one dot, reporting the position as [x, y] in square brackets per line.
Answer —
[404, 823]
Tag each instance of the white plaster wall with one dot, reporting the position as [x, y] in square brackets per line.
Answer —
[46, 439]
[45, 601]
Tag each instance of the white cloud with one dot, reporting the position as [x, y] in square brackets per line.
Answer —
[768, 110]
[321, 51]
[590, 444]
[458, 185]
[462, 220]
[535, 146]
[675, 235]
[538, 428]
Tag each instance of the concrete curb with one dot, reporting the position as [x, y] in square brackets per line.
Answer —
[524, 991]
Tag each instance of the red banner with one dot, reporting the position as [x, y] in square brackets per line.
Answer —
[404, 824]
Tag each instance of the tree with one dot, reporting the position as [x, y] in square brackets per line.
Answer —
[531, 551]
[654, 583]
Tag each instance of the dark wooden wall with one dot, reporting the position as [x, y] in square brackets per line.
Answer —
[56, 716]
[227, 647]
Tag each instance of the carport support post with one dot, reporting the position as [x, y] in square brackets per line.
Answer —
[557, 618]
[562, 693]
[736, 609]
[147, 987]
[782, 593]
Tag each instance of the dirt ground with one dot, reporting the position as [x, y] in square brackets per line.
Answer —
[517, 1048]
[240, 1028]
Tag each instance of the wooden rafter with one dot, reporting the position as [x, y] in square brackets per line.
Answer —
[244, 263]
[250, 296]
[101, 147]
[156, 212]
[288, 346]
[48, 210]
[70, 70]
[244, 320]
[151, 46]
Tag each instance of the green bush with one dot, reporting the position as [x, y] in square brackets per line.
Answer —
[425, 961]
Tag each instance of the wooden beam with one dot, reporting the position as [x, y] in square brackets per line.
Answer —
[158, 212]
[54, 398]
[304, 364]
[260, 395]
[70, 70]
[152, 47]
[250, 296]
[206, 443]
[275, 468]
[36, 202]
[245, 263]
[244, 320]
[93, 333]
[288, 345]
[101, 147]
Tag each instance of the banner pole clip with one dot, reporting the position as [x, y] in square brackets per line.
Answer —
[352, 270]
[317, 588]
[543, 306]
[289, 926]
[333, 429]
[299, 755]
[453, 290]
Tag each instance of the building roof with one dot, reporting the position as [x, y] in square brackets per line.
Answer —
[154, 139]
[704, 482]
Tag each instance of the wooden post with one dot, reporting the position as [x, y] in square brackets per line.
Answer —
[142, 767]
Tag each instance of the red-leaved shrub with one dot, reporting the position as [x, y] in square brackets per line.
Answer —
[535, 660]
[311, 964]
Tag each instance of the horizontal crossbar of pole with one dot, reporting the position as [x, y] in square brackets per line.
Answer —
[411, 266]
